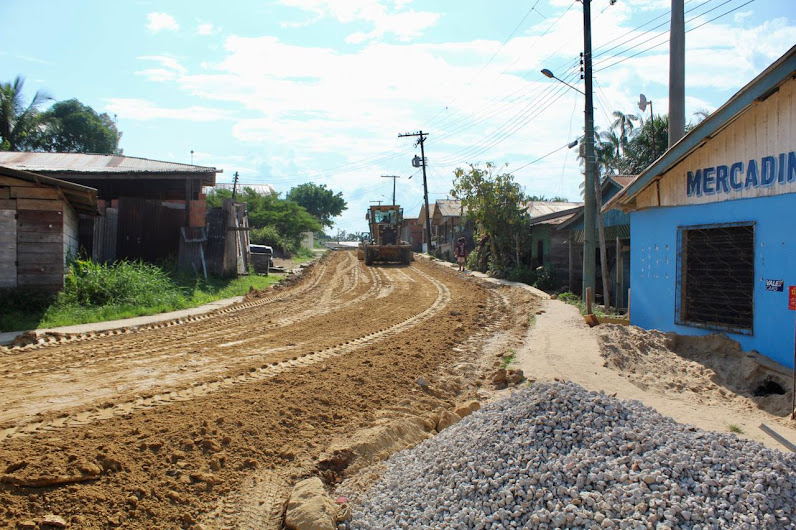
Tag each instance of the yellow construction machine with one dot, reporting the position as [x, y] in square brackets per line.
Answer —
[384, 244]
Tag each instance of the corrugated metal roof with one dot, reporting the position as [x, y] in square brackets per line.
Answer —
[540, 208]
[448, 208]
[556, 218]
[262, 189]
[84, 163]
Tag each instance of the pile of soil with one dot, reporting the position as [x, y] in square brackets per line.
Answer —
[712, 368]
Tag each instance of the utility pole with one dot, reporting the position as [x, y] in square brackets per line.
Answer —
[676, 74]
[589, 213]
[420, 140]
[393, 177]
[234, 185]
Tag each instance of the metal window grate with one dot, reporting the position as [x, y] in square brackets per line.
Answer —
[717, 277]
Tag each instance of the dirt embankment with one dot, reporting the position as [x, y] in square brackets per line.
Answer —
[207, 422]
[708, 370]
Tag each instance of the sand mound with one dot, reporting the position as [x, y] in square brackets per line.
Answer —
[712, 368]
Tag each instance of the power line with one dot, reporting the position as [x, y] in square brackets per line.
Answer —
[687, 31]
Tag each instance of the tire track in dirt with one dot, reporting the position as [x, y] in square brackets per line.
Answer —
[223, 447]
[254, 374]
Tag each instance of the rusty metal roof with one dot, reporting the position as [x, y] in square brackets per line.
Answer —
[541, 208]
[623, 180]
[449, 208]
[84, 163]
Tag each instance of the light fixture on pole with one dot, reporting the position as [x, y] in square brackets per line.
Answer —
[551, 75]
[589, 197]
[642, 105]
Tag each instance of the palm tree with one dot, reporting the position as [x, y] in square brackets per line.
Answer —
[18, 122]
[624, 125]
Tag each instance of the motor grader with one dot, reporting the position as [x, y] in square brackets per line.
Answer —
[384, 245]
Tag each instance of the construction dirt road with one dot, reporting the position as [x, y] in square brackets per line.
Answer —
[209, 421]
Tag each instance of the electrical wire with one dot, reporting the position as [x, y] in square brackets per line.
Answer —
[686, 31]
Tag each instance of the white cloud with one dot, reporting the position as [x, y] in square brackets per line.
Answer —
[395, 20]
[170, 69]
[157, 22]
[207, 29]
[311, 108]
[143, 110]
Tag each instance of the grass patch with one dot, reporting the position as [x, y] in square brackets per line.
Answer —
[97, 292]
[734, 428]
[303, 254]
[508, 360]
[573, 299]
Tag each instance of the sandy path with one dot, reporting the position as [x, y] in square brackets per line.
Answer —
[561, 346]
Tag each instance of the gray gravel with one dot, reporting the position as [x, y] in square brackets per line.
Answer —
[557, 456]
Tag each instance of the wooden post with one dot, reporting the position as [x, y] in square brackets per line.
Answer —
[589, 300]
[619, 271]
[571, 267]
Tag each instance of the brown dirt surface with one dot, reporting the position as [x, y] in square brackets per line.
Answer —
[207, 422]
[709, 369]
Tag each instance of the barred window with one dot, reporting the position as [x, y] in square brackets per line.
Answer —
[716, 277]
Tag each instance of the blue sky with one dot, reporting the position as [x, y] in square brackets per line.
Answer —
[293, 91]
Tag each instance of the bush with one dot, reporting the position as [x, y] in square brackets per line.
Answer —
[124, 283]
[522, 274]
[268, 235]
[546, 279]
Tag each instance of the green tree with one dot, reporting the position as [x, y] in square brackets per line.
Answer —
[644, 148]
[496, 205]
[321, 202]
[623, 126]
[72, 127]
[18, 122]
[274, 221]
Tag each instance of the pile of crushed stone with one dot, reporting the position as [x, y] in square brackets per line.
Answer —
[556, 455]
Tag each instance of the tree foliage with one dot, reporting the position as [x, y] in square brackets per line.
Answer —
[496, 205]
[321, 202]
[18, 122]
[274, 221]
[67, 127]
[72, 127]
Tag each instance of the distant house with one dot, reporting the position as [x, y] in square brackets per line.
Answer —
[412, 233]
[147, 207]
[550, 246]
[39, 227]
[617, 244]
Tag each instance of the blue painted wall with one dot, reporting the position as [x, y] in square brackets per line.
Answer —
[653, 256]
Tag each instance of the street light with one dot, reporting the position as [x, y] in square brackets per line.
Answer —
[589, 192]
[551, 75]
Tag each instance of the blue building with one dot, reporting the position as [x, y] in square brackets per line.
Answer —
[713, 221]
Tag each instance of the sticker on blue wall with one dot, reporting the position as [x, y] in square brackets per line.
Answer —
[775, 285]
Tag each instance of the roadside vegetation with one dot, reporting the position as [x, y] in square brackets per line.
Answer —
[95, 292]
[598, 310]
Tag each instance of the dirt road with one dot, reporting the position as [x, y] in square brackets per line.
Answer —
[208, 422]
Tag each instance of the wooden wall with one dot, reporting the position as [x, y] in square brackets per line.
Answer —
[767, 128]
[33, 233]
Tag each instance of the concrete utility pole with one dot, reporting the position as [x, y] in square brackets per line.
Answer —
[677, 74]
[235, 185]
[422, 138]
[589, 213]
[394, 178]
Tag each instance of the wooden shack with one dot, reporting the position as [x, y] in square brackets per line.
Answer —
[146, 206]
[39, 227]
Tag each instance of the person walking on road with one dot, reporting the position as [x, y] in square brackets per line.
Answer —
[461, 253]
